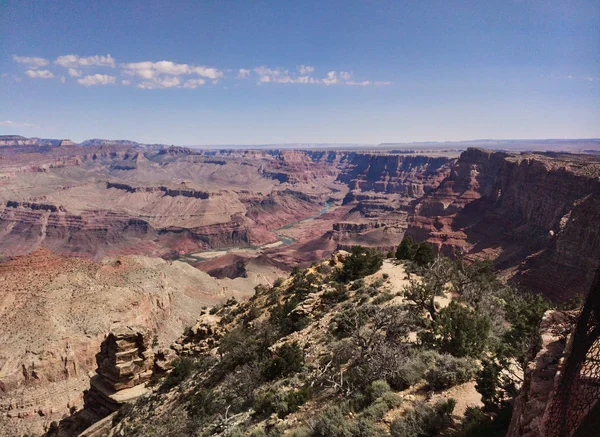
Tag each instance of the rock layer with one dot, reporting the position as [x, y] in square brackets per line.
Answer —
[534, 214]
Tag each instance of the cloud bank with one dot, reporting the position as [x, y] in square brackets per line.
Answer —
[149, 75]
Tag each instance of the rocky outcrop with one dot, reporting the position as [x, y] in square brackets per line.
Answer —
[540, 375]
[125, 363]
[410, 176]
[173, 192]
[541, 208]
[55, 311]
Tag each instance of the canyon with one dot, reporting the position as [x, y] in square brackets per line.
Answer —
[107, 235]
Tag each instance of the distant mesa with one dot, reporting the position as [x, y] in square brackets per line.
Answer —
[66, 143]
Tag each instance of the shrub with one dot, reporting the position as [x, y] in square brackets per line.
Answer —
[424, 254]
[182, 369]
[204, 403]
[361, 262]
[376, 389]
[359, 283]
[407, 249]
[450, 371]
[477, 423]
[412, 370]
[268, 401]
[289, 359]
[385, 276]
[461, 331]
[381, 298]
[338, 294]
[333, 423]
[391, 399]
[424, 420]
[376, 410]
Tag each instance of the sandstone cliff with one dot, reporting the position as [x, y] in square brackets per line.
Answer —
[540, 208]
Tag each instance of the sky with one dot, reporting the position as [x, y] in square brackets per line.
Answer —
[265, 72]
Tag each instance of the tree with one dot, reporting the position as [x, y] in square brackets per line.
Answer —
[461, 331]
[361, 262]
[407, 249]
[424, 254]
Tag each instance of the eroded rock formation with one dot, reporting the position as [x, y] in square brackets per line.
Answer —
[540, 208]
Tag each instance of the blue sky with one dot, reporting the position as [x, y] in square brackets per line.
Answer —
[256, 72]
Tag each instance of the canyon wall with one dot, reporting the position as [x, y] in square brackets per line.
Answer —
[535, 215]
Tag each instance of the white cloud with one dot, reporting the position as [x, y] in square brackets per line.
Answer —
[39, 74]
[306, 69]
[382, 82]
[63, 79]
[73, 61]
[31, 61]
[97, 79]
[194, 83]
[331, 78]
[157, 83]
[243, 73]
[125, 82]
[150, 70]
[9, 123]
[74, 72]
[211, 73]
[344, 75]
[363, 83]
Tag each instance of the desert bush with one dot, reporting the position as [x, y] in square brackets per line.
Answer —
[411, 370]
[424, 420]
[382, 297]
[359, 283]
[205, 403]
[289, 358]
[182, 369]
[361, 262]
[282, 403]
[424, 255]
[338, 294]
[449, 371]
[376, 389]
[461, 331]
[333, 423]
[286, 320]
[477, 423]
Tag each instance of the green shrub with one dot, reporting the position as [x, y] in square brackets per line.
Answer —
[407, 249]
[477, 423]
[424, 255]
[338, 294]
[412, 370]
[461, 331]
[302, 431]
[361, 262]
[205, 403]
[182, 369]
[359, 283]
[449, 371]
[381, 298]
[376, 410]
[333, 423]
[376, 389]
[391, 399]
[289, 359]
[424, 420]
